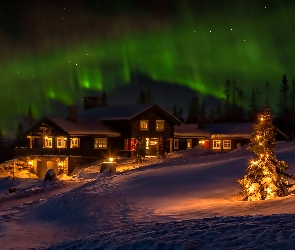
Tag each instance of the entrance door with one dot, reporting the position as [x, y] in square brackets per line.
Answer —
[151, 146]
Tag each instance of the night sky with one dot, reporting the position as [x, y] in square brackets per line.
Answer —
[55, 52]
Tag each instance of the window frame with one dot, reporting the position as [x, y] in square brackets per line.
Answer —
[176, 143]
[216, 146]
[189, 141]
[77, 139]
[105, 140]
[46, 140]
[62, 140]
[162, 122]
[224, 142]
[142, 122]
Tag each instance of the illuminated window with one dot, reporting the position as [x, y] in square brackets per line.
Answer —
[100, 143]
[176, 146]
[189, 143]
[48, 142]
[216, 144]
[144, 124]
[74, 143]
[160, 125]
[61, 142]
[227, 144]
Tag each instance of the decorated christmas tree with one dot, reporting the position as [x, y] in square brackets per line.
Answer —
[161, 148]
[266, 177]
[140, 151]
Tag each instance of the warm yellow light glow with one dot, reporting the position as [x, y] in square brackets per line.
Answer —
[30, 163]
[261, 118]
[111, 159]
[252, 188]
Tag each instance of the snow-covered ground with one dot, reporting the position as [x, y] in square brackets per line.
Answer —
[186, 201]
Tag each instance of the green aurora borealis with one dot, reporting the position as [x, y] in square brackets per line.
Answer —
[59, 51]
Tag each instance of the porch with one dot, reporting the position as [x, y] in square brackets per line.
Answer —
[22, 151]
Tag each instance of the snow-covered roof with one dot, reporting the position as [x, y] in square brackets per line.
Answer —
[190, 130]
[214, 130]
[83, 127]
[122, 112]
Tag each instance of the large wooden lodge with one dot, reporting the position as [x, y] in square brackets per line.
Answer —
[63, 143]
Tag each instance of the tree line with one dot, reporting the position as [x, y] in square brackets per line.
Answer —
[235, 106]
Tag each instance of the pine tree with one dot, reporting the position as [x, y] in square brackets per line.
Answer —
[140, 149]
[253, 107]
[180, 113]
[266, 99]
[104, 99]
[2, 147]
[266, 177]
[19, 139]
[283, 104]
[161, 148]
[30, 118]
[284, 122]
[193, 110]
[149, 96]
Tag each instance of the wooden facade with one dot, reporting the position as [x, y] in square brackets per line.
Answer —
[64, 143]
[217, 137]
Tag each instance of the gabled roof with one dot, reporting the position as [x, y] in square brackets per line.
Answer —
[214, 130]
[234, 129]
[83, 127]
[124, 112]
[190, 130]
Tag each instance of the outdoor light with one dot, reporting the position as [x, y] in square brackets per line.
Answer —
[111, 159]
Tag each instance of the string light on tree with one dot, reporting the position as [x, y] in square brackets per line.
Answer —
[266, 177]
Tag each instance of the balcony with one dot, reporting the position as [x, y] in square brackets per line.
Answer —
[47, 151]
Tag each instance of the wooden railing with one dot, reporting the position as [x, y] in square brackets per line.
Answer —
[47, 151]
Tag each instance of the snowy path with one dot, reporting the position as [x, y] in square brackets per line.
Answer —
[260, 232]
[182, 203]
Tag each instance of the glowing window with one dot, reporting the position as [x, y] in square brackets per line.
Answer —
[143, 124]
[227, 144]
[216, 144]
[160, 125]
[74, 143]
[48, 142]
[100, 143]
[189, 143]
[61, 142]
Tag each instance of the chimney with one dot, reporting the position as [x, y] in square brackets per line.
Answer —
[91, 102]
[73, 113]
